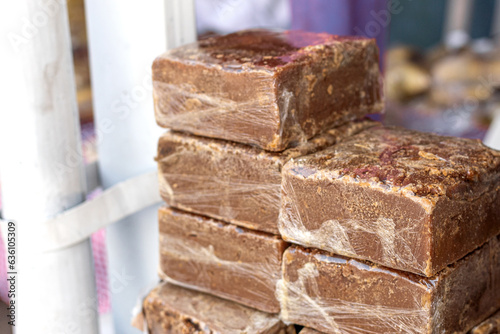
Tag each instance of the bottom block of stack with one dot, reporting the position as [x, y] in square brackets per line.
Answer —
[334, 294]
[172, 309]
[489, 326]
[219, 258]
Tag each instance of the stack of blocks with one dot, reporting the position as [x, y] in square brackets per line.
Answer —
[287, 206]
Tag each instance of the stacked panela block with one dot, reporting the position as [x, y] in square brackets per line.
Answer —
[286, 206]
[413, 220]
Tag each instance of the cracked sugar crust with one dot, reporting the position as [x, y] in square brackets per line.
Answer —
[172, 309]
[259, 48]
[426, 164]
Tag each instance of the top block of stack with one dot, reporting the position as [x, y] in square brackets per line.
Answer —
[264, 88]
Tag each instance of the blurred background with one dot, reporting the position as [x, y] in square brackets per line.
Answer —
[441, 63]
[441, 58]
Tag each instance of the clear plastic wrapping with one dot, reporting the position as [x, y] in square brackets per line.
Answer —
[221, 259]
[233, 182]
[403, 199]
[264, 88]
[173, 309]
[334, 294]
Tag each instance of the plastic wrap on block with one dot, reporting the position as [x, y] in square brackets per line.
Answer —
[335, 294]
[170, 309]
[233, 182]
[266, 88]
[222, 259]
[407, 200]
[489, 326]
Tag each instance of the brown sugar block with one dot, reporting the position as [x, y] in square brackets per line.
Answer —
[232, 182]
[403, 199]
[266, 88]
[222, 259]
[489, 326]
[335, 294]
[170, 309]
[306, 330]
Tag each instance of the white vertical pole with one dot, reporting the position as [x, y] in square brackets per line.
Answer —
[457, 23]
[492, 138]
[180, 22]
[41, 166]
[125, 36]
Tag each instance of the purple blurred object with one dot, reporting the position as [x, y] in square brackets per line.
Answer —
[369, 18]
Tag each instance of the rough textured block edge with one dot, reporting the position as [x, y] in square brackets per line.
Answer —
[233, 182]
[334, 294]
[170, 309]
[265, 88]
[219, 258]
[404, 199]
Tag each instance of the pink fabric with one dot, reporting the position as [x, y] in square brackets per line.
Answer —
[101, 270]
[98, 243]
[3, 271]
[3, 265]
